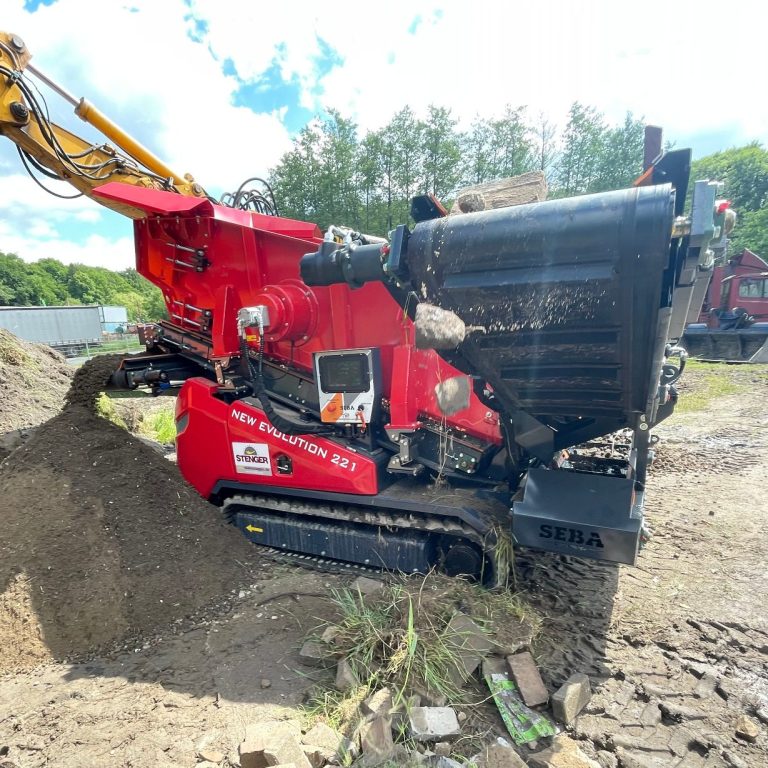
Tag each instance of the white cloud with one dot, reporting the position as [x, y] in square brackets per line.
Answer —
[20, 198]
[94, 250]
[672, 63]
[137, 60]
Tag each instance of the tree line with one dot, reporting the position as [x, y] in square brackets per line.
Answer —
[333, 175]
[48, 282]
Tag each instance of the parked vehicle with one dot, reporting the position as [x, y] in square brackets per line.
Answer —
[733, 324]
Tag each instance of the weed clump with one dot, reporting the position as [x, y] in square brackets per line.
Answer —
[402, 638]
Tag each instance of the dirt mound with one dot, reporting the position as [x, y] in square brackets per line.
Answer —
[33, 381]
[101, 538]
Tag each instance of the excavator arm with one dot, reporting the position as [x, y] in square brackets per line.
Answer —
[55, 152]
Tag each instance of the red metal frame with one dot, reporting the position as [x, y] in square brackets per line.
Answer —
[209, 261]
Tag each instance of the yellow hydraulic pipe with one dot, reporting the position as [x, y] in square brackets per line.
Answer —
[91, 115]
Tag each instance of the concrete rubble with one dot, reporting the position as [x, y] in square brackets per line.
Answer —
[498, 756]
[380, 704]
[526, 675]
[315, 654]
[564, 753]
[433, 723]
[281, 742]
[572, 696]
[376, 742]
[345, 676]
[421, 713]
[469, 643]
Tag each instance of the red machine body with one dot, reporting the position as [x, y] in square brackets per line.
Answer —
[213, 437]
[209, 261]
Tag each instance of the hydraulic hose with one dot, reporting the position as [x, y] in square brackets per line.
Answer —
[256, 381]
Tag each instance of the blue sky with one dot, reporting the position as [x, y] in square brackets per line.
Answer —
[218, 89]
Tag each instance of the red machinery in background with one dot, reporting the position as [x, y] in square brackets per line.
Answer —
[733, 324]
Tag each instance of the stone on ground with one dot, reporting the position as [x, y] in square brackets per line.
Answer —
[258, 736]
[428, 697]
[526, 674]
[330, 633]
[315, 654]
[211, 755]
[366, 586]
[564, 753]
[747, 729]
[497, 756]
[379, 704]
[433, 723]
[323, 738]
[376, 742]
[251, 754]
[469, 644]
[287, 749]
[440, 761]
[572, 696]
[345, 676]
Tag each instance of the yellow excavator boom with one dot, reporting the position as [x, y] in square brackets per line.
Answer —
[55, 151]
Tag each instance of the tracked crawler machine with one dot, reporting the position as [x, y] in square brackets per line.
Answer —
[425, 400]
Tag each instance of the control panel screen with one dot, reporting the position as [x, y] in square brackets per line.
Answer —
[344, 373]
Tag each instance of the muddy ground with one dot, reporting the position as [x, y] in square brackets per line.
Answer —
[676, 647]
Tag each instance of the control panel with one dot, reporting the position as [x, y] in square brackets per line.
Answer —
[348, 384]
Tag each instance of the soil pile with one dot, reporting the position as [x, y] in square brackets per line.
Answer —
[33, 380]
[101, 538]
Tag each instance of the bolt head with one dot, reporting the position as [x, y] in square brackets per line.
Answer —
[17, 43]
[20, 111]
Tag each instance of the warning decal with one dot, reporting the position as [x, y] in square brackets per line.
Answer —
[252, 458]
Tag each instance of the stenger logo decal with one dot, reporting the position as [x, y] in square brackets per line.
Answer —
[252, 458]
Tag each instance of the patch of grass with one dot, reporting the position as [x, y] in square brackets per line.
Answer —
[398, 639]
[711, 387]
[128, 344]
[106, 409]
[161, 427]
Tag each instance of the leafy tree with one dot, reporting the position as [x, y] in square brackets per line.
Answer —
[544, 145]
[442, 153]
[371, 175]
[511, 149]
[15, 288]
[407, 135]
[743, 171]
[620, 160]
[476, 149]
[583, 143]
[296, 177]
[49, 282]
[751, 232]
